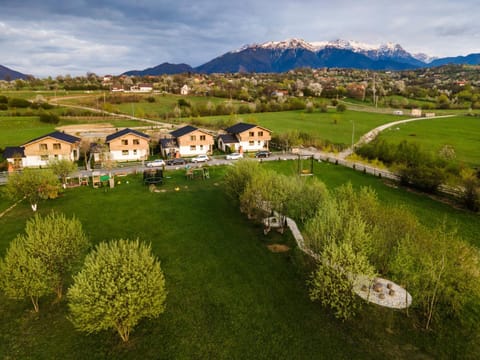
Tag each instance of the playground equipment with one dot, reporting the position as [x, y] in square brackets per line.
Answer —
[102, 180]
[305, 165]
[153, 177]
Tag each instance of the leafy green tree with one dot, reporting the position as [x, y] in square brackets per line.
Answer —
[59, 243]
[306, 194]
[470, 185]
[62, 168]
[441, 272]
[33, 185]
[238, 176]
[120, 284]
[339, 267]
[23, 275]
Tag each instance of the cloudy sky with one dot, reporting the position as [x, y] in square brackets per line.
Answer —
[51, 37]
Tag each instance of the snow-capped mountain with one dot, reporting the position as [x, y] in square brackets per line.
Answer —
[280, 56]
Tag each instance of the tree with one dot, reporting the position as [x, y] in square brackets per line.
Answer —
[33, 185]
[62, 168]
[120, 284]
[238, 176]
[59, 243]
[332, 282]
[23, 275]
[441, 272]
[470, 189]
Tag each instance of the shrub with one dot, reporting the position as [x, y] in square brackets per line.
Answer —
[3, 99]
[19, 103]
[49, 118]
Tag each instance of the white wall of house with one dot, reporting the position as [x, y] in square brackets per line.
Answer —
[190, 151]
[129, 155]
[254, 145]
[38, 161]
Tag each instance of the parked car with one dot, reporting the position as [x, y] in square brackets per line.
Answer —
[234, 156]
[178, 161]
[262, 154]
[200, 158]
[156, 163]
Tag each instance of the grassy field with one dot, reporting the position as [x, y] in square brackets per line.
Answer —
[16, 130]
[333, 126]
[163, 104]
[229, 297]
[461, 132]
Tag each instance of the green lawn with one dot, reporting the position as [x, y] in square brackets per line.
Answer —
[163, 104]
[228, 296]
[333, 126]
[16, 130]
[461, 132]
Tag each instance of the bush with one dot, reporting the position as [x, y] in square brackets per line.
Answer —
[3, 99]
[3, 106]
[341, 107]
[49, 118]
[425, 177]
[150, 99]
[19, 103]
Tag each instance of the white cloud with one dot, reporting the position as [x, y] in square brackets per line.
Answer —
[49, 37]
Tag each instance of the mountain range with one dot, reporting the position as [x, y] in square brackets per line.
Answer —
[281, 56]
[9, 74]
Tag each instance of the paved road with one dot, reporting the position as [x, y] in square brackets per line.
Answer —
[214, 161]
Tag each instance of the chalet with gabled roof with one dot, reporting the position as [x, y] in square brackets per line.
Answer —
[128, 145]
[187, 141]
[39, 151]
[244, 137]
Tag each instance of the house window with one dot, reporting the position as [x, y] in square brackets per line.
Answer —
[136, 142]
[44, 157]
[251, 133]
[251, 143]
[193, 138]
[193, 148]
[43, 147]
[125, 142]
[55, 156]
[202, 137]
[124, 152]
[259, 142]
[134, 151]
[201, 147]
[260, 133]
[57, 146]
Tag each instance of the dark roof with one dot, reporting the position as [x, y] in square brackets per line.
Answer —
[239, 128]
[13, 151]
[183, 131]
[58, 135]
[228, 138]
[125, 132]
[168, 143]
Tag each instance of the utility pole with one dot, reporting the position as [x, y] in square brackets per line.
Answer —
[353, 132]
[374, 91]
